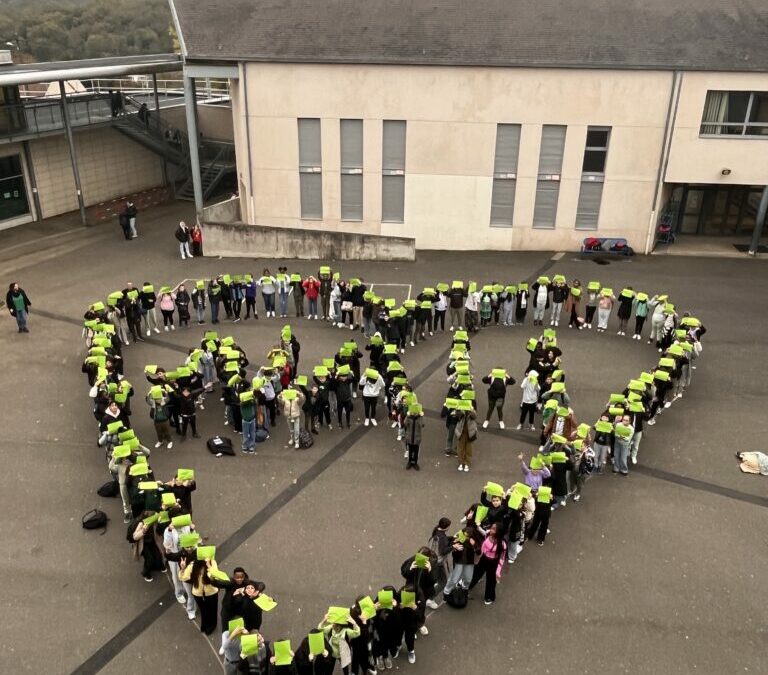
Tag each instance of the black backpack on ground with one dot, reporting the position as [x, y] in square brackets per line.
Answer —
[305, 440]
[95, 520]
[458, 598]
[220, 445]
[109, 489]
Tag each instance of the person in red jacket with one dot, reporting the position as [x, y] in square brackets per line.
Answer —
[312, 291]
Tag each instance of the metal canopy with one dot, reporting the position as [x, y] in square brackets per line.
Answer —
[88, 69]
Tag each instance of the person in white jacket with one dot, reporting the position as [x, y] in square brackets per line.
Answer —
[531, 388]
[372, 387]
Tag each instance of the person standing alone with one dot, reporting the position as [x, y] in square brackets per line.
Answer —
[18, 305]
[182, 236]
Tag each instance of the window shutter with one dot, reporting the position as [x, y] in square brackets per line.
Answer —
[351, 196]
[545, 210]
[351, 144]
[393, 199]
[309, 142]
[507, 148]
[552, 146]
[311, 192]
[502, 202]
[588, 210]
[393, 157]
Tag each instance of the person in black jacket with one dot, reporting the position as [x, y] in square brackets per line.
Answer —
[560, 293]
[18, 305]
[356, 296]
[182, 305]
[422, 578]
[187, 411]
[561, 465]
[497, 391]
[341, 385]
[182, 236]
[456, 297]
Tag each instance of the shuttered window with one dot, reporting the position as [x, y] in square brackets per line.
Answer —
[310, 169]
[592, 178]
[351, 169]
[393, 172]
[505, 174]
[548, 183]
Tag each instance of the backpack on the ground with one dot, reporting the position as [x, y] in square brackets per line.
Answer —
[95, 520]
[305, 440]
[220, 445]
[109, 489]
[458, 598]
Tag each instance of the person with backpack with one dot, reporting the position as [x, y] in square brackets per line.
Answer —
[498, 381]
[441, 546]
[182, 236]
[640, 307]
[492, 557]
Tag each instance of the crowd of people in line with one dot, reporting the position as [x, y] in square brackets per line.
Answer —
[366, 636]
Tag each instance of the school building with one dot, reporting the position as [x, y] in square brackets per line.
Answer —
[501, 125]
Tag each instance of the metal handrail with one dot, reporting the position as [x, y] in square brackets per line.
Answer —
[206, 89]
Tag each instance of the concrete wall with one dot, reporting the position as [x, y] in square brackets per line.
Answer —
[110, 165]
[214, 121]
[701, 160]
[238, 240]
[451, 116]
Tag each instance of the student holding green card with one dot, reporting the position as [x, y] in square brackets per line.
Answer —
[339, 627]
[604, 307]
[147, 300]
[372, 385]
[590, 304]
[603, 442]
[142, 534]
[292, 401]
[573, 306]
[498, 381]
[540, 521]
[388, 628]
[492, 557]
[411, 615]
[206, 594]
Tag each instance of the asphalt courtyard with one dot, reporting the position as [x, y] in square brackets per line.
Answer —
[659, 572]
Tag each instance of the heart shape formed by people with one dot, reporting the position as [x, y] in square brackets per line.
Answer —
[102, 331]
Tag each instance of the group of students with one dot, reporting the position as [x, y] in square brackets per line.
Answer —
[369, 634]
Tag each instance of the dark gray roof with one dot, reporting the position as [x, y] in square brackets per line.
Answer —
[656, 34]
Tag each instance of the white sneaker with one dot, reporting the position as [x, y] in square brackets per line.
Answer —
[402, 351]
[431, 333]
[367, 422]
[589, 325]
[221, 651]
[618, 332]
[412, 655]
[634, 460]
[424, 630]
[412, 345]
[181, 599]
[158, 444]
[668, 404]
[405, 454]
[485, 424]
[533, 428]
[451, 328]
[149, 332]
[354, 394]
[169, 446]
[351, 328]
[651, 422]
[461, 467]
[387, 663]
[373, 421]
[296, 445]
[432, 605]
[173, 327]
[191, 616]
[519, 426]
[466, 468]
[166, 329]
[157, 330]
[394, 424]
[576, 497]
[501, 424]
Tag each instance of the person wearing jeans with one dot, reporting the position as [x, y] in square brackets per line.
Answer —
[147, 298]
[198, 301]
[248, 418]
[182, 591]
[292, 401]
[283, 289]
[604, 307]
[18, 304]
[621, 447]
[463, 552]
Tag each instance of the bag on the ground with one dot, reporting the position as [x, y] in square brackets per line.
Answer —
[109, 489]
[457, 598]
[220, 445]
[260, 435]
[305, 440]
[95, 520]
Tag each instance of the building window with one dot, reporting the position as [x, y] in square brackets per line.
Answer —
[393, 172]
[13, 191]
[592, 178]
[548, 182]
[310, 169]
[505, 174]
[351, 169]
[735, 113]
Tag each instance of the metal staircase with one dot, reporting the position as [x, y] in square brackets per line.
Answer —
[217, 158]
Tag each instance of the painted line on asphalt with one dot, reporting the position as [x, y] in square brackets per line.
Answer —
[701, 485]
